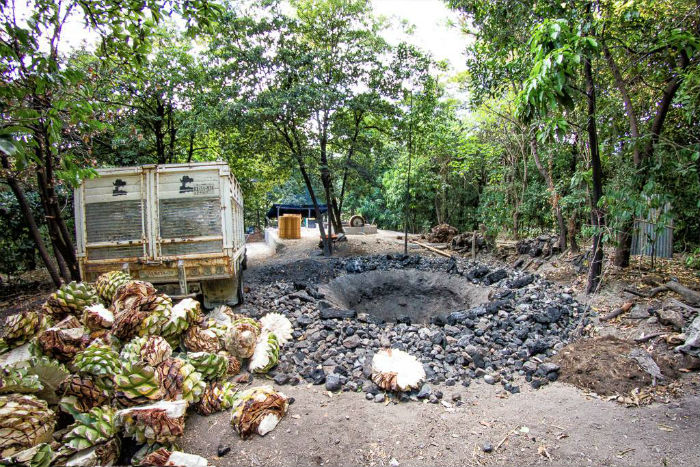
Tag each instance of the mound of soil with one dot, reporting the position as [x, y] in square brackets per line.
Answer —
[603, 365]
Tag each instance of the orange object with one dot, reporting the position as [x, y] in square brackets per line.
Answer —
[289, 226]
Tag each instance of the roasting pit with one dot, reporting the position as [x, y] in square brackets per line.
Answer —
[404, 295]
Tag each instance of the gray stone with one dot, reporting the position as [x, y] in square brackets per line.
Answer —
[489, 379]
[352, 341]
[475, 355]
[281, 379]
[333, 382]
[304, 321]
[671, 318]
[548, 367]
[337, 313]
[424, 391]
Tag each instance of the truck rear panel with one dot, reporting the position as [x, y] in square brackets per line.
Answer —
[152, 218]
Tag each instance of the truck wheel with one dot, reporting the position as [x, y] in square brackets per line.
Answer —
[222, 291]
[239, 294]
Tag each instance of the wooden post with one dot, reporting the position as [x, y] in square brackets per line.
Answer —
[474, 244]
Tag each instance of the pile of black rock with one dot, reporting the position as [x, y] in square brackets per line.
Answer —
[506, 340]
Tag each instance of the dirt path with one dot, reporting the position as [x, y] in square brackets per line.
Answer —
[563, 426]
[574, 429]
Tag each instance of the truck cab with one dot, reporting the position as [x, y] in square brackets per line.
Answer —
[176, 225]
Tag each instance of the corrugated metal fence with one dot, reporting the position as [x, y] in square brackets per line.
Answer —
[646, 238]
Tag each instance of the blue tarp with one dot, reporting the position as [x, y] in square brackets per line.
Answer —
[306, 210]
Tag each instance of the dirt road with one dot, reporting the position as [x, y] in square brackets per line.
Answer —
[557, 420]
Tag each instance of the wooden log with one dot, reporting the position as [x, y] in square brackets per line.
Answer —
[636, 292]
[690, 296]
[618, 311]
[434, 250]
[649, 337]
[678, 303]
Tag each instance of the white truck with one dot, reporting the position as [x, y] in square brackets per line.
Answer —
[177, 225]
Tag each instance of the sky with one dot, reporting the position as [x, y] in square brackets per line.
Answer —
[431, 19]
[433, 31]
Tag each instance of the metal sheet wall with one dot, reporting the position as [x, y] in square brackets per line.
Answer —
[646, 239]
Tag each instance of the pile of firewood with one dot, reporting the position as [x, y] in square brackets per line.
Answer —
[544, 245]
[462, 243]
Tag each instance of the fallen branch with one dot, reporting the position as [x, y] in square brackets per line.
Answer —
[651, 294]
[635, 292]
[504, 439]
[649, 337]
[690, 296]
[618, 311]
[678, 303]
[434, 250]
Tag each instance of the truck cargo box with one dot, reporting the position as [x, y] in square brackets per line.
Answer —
[177, 225]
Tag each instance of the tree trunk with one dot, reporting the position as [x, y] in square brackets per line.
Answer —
[31, 223]
[327, 248]
[597, 216]
[190, 150]
[159, 133]
[624, 246]
[351, 151]
[547, 175]
[58, 231]
[62, 266]
[336, 211]
[172, 132]
[573, 228]
[629, 109]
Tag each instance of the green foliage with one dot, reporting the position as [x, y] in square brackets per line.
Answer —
[17, 250]
[693, 259]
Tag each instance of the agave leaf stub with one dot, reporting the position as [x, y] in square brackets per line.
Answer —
[266, 353]
[25, 421]
[37, 456]
[19, 380]
[279, 325]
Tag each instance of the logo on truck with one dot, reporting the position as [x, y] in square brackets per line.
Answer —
[118, 184]
[184, 188]
[199, 189]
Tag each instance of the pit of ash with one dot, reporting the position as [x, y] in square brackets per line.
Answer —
[509, 325]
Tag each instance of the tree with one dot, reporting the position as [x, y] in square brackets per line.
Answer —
[643, 36]
[557, 51]
[299, 77]
[44, 99]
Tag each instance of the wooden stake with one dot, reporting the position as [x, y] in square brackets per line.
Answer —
[434, 250]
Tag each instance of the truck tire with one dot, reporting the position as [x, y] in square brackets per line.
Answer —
[239, 293]
[222, 291]
[357, 221]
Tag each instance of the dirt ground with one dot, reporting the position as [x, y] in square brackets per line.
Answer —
[558, 424]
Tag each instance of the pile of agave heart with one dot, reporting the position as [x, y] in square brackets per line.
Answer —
[123, 361]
